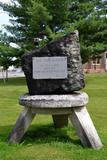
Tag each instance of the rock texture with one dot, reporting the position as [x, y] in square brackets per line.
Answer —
[67, 46]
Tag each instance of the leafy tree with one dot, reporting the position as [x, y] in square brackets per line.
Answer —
[7, 54]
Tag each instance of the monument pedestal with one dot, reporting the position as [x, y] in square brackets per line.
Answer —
[60, 107]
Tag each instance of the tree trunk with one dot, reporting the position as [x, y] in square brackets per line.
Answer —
[4, 79]
[6, 74]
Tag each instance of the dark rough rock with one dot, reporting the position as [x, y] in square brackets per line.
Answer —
[67, 46]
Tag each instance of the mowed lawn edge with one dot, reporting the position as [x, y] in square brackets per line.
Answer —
[43, 141]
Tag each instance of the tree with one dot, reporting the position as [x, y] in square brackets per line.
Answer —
[92, 26]
[7, 54]
[43, 21]
[23, 29]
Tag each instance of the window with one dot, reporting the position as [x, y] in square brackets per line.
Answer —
[96, 61]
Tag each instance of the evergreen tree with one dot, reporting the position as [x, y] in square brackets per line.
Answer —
[90, 18]
[44, 20]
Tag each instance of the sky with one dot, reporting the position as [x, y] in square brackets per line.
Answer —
[4, 18]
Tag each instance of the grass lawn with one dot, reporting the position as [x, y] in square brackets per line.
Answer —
[42, 141]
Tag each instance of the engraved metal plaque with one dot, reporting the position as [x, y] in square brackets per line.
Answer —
[49, 67]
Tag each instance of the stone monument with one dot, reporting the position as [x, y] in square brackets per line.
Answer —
[54, 77]
[64, 50]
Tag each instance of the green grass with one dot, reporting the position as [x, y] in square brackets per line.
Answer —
[42, 141]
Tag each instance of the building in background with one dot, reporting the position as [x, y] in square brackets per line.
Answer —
[96, 65]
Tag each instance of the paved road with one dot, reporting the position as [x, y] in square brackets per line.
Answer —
[12, 74]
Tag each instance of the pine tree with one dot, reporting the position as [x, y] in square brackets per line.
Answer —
[44, 20]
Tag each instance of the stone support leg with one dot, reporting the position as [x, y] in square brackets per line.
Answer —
[85, 128]
[21, 126]
[60, 121]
